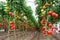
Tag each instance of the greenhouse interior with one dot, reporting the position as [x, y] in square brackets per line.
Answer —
[29, 19]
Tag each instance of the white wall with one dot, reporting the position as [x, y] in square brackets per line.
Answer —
[3, 0]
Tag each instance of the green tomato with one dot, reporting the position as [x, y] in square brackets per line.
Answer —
[43, 12]
[6, 10]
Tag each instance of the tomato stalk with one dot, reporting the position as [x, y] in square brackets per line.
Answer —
[14, 22]
[47, 21]
[9, 29]
[46, 26]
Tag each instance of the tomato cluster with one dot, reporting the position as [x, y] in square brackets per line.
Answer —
[49, 29]
[55, 15]
[12, 26]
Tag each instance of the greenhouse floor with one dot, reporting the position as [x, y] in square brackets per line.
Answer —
[27, 35]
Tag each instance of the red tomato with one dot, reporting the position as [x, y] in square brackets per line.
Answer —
[50, 12]
[56, 15]
[42, 16]
[13, 27]
[44, 32]
[52, 28]
[50, 25]
[46, 4]
[58, 30]
[50, 32]
[53, 14]
[42, 21]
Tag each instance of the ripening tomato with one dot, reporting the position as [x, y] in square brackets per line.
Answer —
[11, 22]
[49, 23]
[50, 32]
[42, 21]
[43, 28]
[5, 26]
[10, 13]
[50, 12]
[42, 16]
[46, 4]
[1, 24]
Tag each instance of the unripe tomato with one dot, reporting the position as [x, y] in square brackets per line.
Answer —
[50, 32]
[6, 9]
[44, 7]
[42, 10]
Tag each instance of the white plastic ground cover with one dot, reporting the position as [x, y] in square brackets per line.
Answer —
[2, 30]
[58, 26]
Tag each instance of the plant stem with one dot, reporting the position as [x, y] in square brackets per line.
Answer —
[47, 21]
[8, 35]
[14, 22]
